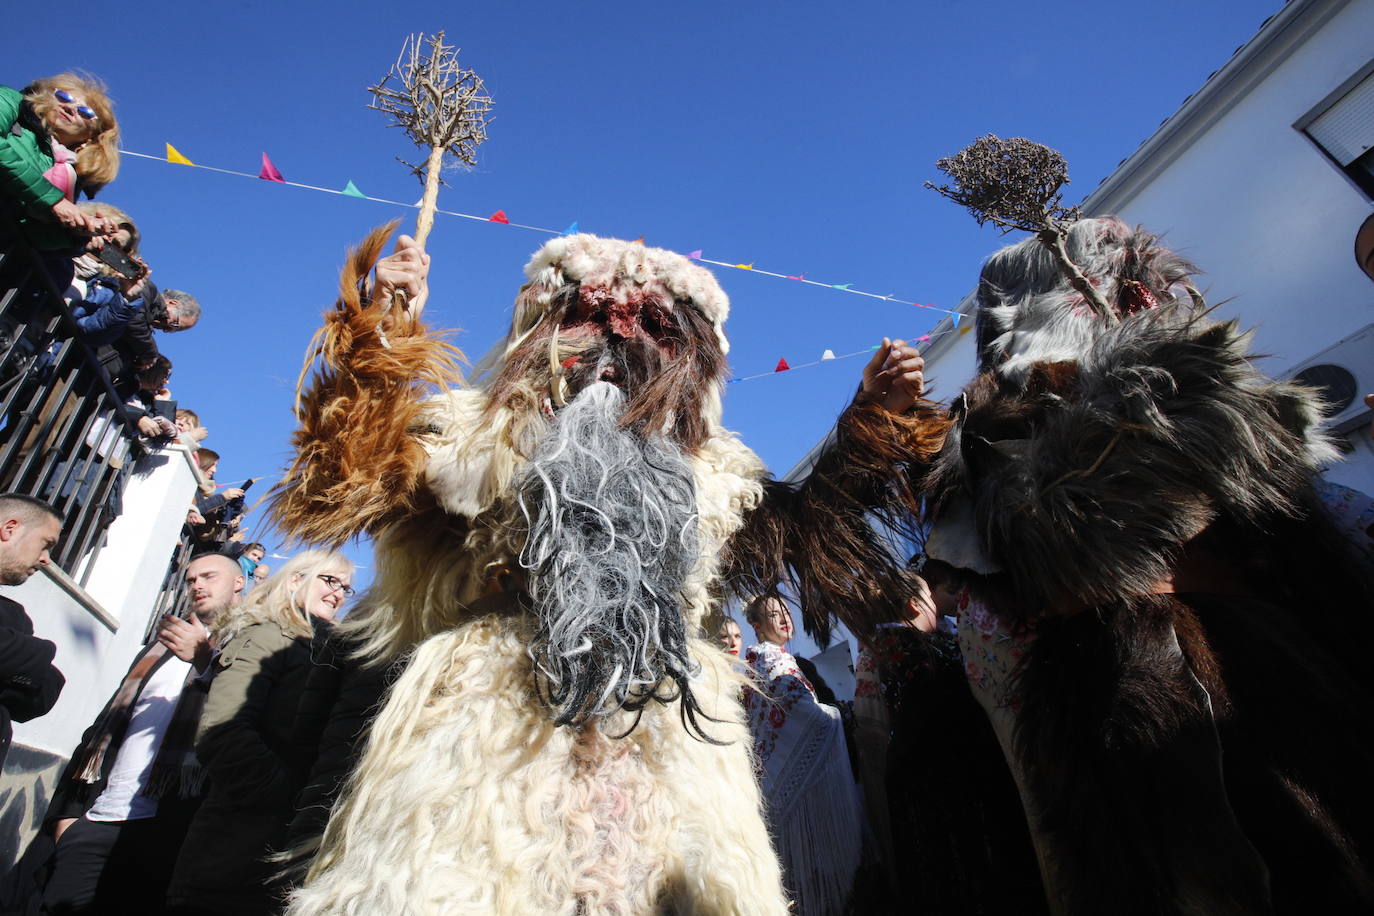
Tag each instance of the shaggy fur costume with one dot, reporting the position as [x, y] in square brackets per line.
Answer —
[470, 797]
[1134, 500]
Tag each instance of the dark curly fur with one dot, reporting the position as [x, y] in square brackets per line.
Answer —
[1089, 478]
[1120, 751]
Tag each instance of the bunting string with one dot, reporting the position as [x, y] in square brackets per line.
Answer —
[829, 356]
[269, 172]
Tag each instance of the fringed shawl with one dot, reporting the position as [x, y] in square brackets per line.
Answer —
[809, 792]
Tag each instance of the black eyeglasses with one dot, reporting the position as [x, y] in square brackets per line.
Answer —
[336, 584]
[66, 98]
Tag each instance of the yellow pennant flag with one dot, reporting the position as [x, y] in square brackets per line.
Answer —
[174, 156]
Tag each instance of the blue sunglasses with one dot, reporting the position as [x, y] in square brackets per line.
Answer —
[66, 98]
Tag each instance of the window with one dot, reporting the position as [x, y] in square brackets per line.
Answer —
[1344, 129]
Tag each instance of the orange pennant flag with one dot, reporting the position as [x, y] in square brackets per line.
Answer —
[174, 156]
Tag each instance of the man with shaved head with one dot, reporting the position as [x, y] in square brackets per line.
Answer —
[121, 809]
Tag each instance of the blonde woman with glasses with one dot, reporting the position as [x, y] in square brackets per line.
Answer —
[58, 139]
[245, 742]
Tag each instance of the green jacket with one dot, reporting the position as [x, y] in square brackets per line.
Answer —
[24, 157]
[246, 746]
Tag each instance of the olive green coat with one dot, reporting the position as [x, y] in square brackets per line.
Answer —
[255, 773]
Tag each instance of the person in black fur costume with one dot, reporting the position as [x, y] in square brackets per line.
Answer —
[1164, 630]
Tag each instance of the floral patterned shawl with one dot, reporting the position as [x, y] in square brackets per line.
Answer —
[808, 787]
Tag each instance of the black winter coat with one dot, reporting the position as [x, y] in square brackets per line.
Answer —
[339, 702]
[29, 683]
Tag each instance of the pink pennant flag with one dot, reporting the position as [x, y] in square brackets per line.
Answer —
[269, 171]
[694, 255]
[798, 277]
[499, 217]
[923, 338]
[782, 366]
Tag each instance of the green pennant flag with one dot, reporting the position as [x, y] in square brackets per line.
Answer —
[351, 190]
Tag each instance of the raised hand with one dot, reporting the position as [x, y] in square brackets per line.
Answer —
[188, 640]
[407, 270]
[894, 377]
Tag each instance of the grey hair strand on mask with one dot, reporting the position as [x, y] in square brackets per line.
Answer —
[612, 538]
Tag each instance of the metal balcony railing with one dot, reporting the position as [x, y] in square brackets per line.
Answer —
[63, 437]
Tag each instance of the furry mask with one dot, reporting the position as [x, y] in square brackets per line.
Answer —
[1028, 313]
[591, 445]
[1086, 455]
[593, 310]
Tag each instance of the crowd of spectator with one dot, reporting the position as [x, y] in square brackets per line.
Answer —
[58, 142]
[188, 776]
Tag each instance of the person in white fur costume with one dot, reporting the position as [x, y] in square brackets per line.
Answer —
[564, 739]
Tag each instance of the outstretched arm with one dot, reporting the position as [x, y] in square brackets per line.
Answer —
[359, 462]
[828, 537]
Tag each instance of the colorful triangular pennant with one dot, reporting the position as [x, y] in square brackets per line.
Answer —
[694, 255]
[269, 171]
[828, 354]
[841, 285]
[572, 228]
[745, 266]
[782, 366]
[351, 190]
[173, 155]
[798, 277]
[499, 217]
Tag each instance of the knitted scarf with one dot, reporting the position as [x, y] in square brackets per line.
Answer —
[176, 771]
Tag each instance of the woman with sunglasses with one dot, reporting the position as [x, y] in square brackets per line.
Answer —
[58, 139]
[246, 742]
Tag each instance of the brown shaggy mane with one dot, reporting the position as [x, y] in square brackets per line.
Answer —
[665, 388]
[358, 460]
[831, 539]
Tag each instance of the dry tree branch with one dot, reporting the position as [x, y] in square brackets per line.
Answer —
[441, 106]
[1017, 184]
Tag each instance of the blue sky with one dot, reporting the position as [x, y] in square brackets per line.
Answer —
[794, 136]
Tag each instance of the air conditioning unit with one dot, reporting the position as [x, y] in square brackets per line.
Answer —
[1345, 373]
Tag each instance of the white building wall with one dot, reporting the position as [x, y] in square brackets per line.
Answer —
[1254, 203]
[125, 582]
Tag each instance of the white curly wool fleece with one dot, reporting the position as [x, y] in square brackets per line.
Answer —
[615, 264]
[468, 799]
